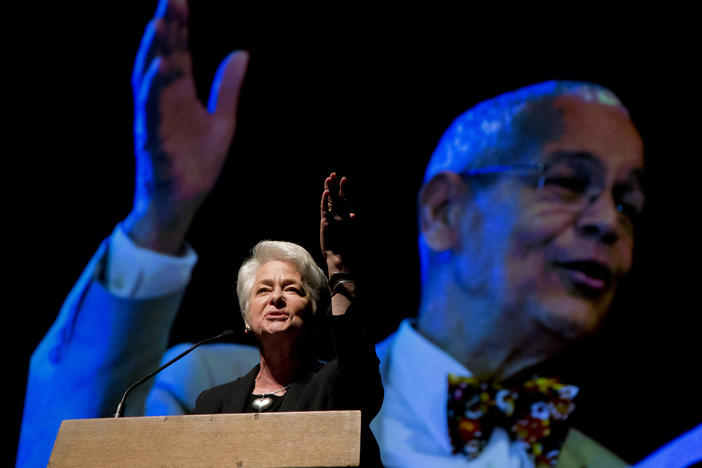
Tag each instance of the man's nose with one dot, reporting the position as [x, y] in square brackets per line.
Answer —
[599, 218]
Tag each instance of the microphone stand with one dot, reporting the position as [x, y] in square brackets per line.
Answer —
[120, 407]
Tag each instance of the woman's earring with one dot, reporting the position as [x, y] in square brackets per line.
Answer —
[247, 329]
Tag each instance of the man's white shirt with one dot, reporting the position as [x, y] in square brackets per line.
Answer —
[411, 428]
[138, 273]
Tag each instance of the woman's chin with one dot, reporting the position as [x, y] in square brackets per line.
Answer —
[280, 327]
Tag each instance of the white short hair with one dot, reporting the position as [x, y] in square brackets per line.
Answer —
[313, 278]
[495, 131]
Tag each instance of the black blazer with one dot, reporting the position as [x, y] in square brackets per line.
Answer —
[350, 381]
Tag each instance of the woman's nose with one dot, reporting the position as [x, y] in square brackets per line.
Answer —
[277, 297]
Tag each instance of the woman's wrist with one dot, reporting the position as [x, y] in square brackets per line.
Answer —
[336, 264]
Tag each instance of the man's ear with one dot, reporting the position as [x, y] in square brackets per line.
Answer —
[440, 209]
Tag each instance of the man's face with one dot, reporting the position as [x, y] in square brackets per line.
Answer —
[556, 252]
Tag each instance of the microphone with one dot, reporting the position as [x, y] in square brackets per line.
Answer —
[120, 407]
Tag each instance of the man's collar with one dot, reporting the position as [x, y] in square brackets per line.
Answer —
[418, 371]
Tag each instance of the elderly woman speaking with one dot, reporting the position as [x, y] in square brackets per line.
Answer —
[279, 288]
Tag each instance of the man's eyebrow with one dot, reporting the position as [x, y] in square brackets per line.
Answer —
[636, 176]
[566, 155]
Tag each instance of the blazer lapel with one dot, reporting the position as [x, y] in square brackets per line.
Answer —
[297, 389]
[238, 392]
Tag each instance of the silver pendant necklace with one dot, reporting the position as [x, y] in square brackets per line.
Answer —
[264, 401]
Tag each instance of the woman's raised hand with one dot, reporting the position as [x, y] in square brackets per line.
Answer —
[336, 224]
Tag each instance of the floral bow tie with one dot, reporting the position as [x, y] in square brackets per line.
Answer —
[533, 413]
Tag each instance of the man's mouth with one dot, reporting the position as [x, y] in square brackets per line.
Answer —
[590, 277]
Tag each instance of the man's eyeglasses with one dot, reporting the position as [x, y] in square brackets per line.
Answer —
[575, 184]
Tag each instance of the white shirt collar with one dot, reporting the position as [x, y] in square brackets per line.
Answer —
[420, 370]
[412, 427]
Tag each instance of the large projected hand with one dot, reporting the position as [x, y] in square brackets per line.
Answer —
[180, 144]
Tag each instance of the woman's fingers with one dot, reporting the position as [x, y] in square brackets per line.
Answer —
[334, 200]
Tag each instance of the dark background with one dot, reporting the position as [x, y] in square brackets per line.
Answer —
[367, 94]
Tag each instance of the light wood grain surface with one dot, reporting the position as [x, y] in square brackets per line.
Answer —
[305, 439]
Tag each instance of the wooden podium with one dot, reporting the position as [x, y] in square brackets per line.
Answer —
[314, 438]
